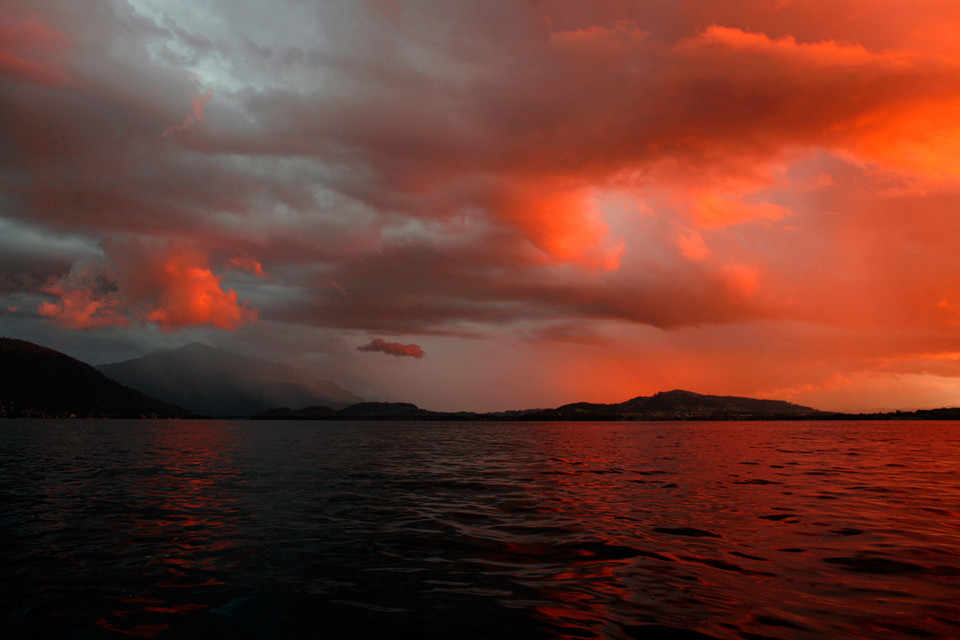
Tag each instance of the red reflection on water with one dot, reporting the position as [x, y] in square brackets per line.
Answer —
[138, 608]
[176, 522]
[581, 479]
[139, 631]
[740, 514]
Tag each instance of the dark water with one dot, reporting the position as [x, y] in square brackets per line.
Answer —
[113, 529]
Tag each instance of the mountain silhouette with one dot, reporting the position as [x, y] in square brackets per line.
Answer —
[213, 382]
[669, 405]
[42, 383]
[36, 382]
[360, 411]
[679, 405]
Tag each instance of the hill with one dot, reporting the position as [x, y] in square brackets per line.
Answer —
[359, 411]
[680, 405]
[670, 405]
[377, 411]
[36, 382]
[213, 382]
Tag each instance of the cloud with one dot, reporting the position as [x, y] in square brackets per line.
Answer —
[393, 348]
[28, 50]
[563, 221]
[475, 169]
[187, 293]
[169, 286]
[85, 299]
[248, 264]
[693, 246]
[197, 104]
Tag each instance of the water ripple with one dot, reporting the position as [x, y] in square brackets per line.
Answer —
[115, 529]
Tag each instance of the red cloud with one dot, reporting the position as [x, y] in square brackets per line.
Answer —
[189, 293]
[31, 70]
[248, 264]
[86, 299]
[25, 46]
[666, 164]
[562, 221]
[393, 348]
[172, 288]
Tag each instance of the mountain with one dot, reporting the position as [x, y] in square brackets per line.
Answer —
[359, 411]
[43, 383]
[670, 405]
[36, 382]
[679, 405]
[213, 382]
[375, 411]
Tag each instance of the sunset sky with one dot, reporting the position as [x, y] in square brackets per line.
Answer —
[494, 205]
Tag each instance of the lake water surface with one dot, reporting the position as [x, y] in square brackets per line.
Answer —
[237, 529]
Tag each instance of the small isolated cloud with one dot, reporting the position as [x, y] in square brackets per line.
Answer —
[248, 264]
[393, 348]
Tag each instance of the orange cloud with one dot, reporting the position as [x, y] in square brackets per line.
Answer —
[692, 246]
[710, 122]
[788, 161]
[393, 348]
[893, 106]
[81, 309]
[170, 287]
[188, 293]
[716, 210]
[922, 139]
[824, 53]
[248, 264]
[86, 298]
[742, 280]
[563, 221]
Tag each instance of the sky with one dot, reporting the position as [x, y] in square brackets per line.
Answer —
[494, 205]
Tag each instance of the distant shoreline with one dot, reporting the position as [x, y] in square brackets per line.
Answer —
[931, 415]
[30, 374]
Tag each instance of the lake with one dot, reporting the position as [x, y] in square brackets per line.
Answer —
[248, 529]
